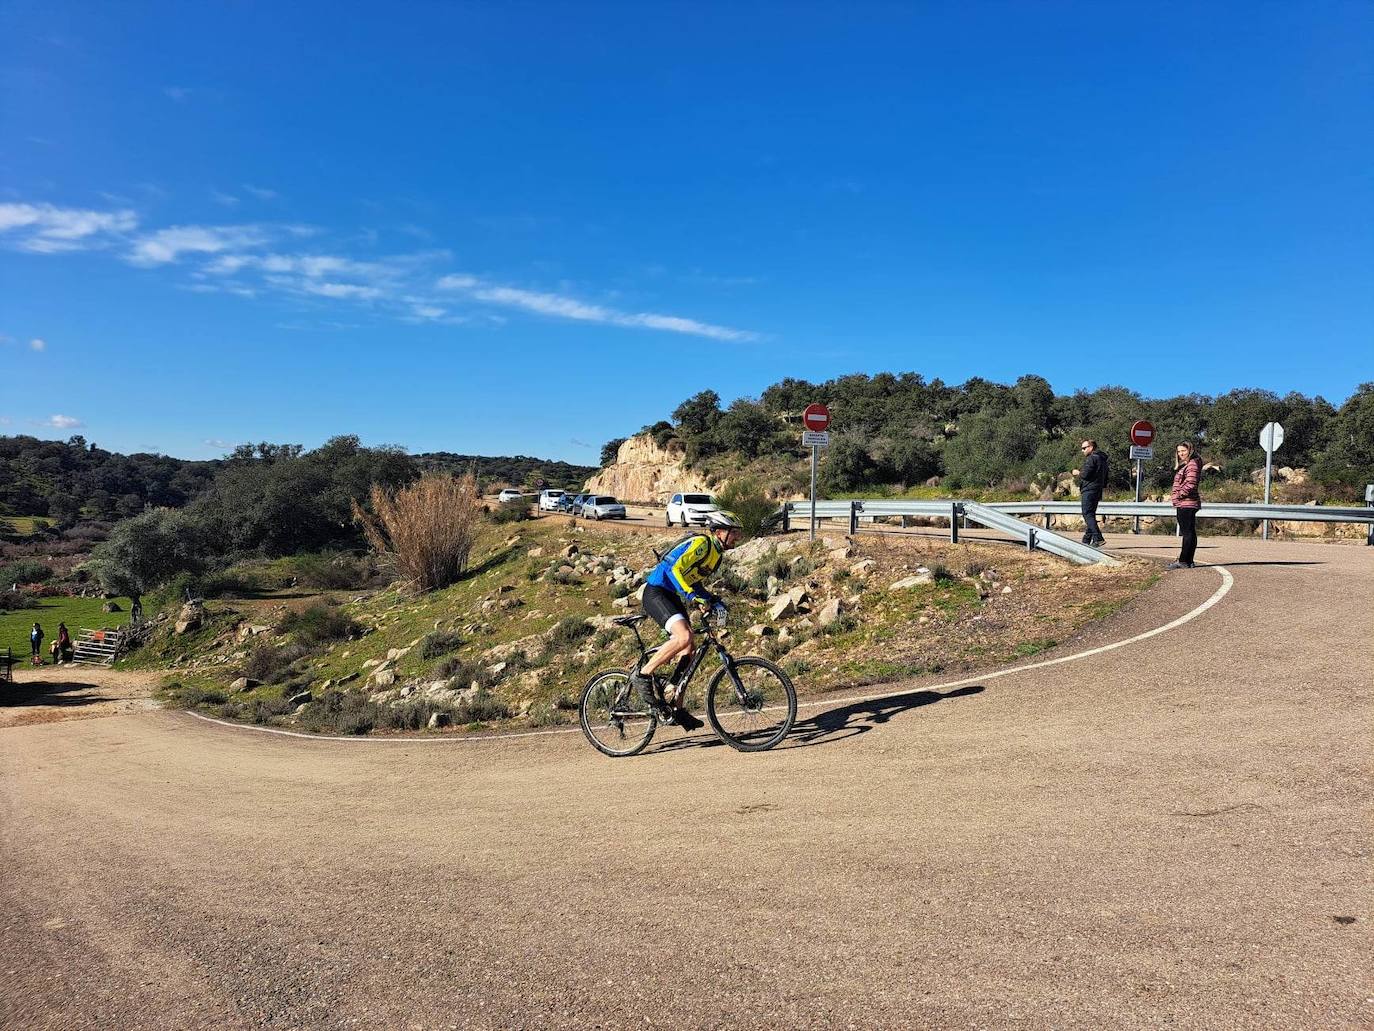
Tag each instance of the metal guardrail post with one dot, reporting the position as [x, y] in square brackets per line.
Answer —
[786, 517]
[854, 507]
[954, 522]
[1030, 538]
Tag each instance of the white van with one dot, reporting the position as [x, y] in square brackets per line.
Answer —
[550, 500]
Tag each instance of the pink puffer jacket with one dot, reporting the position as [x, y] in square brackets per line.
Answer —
[1185, 493]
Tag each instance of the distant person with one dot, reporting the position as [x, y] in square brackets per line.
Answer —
[36, 644]
[136, 612]
[62, 647]
[1092, 481]
[1187, 499]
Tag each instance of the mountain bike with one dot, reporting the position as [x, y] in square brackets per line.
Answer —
[750, 703]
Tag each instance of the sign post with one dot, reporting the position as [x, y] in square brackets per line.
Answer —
[1270, 439]
[1142, 447]
[816, 421]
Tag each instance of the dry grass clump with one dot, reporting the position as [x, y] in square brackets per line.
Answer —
[428, 528]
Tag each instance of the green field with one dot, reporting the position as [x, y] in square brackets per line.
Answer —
[77, 613]
[25, 524]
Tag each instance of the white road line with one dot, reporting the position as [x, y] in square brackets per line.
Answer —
[1227, 582]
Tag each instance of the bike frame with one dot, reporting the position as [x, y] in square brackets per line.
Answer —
[688, 664]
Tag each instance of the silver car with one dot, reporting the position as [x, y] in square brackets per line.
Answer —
[603, 506]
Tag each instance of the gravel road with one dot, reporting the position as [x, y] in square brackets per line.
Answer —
[1173, 833]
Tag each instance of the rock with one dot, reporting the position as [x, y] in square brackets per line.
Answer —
[498, 669]
[760, 630]
[842, 550]
[190, 617]
[535, 553]
[369, 663]
[384, 677]
[347, 678]
[799, 596]
[396, 653]
[244, 684]
[1006, 590]
[300, 699]
[439, 719]
[830, 612]
[784, 606]
[327, 684]
[864, 566]
[621, 603]
[772, 588]
[298, 710]
[567, 570]
[111, 606]
[570, 551]
[912, 581]
[511, 603]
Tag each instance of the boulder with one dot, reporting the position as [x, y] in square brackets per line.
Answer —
[439, 719]
[300, 699]
[772, 588]
[191, 616]
[906, 583]
[535, 553]
[784, 606]
[384, 677]
[864, 566]
[396, 653]
[760, 630]
[111, 606]
[800, 596]
[347, 678]
[570, 551]
[830, 612]
[244, 684]
[621, 603]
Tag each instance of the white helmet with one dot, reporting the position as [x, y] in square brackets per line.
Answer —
[720, 520]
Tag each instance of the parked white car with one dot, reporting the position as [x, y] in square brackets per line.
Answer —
[550, 500]
[689, 509]
[509, 495]
[603, 506]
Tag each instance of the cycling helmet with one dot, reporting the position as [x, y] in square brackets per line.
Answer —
[723, 521]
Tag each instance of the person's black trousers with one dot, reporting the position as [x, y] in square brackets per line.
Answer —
[1090, 500]
[1187, 528]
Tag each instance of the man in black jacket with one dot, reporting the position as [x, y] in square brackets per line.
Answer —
[1092, 481]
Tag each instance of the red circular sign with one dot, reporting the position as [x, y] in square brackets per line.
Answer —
[816, 417]
[1143, 433]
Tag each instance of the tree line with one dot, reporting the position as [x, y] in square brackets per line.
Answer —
[902, 430]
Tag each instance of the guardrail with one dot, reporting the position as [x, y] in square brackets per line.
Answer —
[1003, 517]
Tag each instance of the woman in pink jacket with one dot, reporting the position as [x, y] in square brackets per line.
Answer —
[1187, 500]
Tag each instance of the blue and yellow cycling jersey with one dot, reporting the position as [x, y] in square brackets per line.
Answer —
[687, 565]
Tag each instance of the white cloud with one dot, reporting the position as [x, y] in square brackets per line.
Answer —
[4, 420]
[38, 344]
[214, 442]
[178, 93]
[220, 197]
[260, 192]
[562, 307]
[47, 229]
[167, 245]
[63, 422]
[341, 291]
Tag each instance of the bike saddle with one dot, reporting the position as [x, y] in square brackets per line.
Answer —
[628, 620]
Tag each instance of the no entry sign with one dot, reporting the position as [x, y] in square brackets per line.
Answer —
[1143, 433]
[816, 417]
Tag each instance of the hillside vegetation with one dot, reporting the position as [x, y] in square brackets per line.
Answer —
[896, 432]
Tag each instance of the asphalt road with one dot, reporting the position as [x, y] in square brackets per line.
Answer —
[1172, 833]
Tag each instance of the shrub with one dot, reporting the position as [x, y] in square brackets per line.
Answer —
[25, 571]
[13, 601]
[339, 572]
[227, 583]
[191, 697]
[569, 631]
[746, 499]
[429, 527]
[941, 573]
[510, 514]
[318, 625]
[271, 663]
[439, 643]
[842, 625]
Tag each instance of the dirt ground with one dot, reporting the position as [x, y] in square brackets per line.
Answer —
[49, 694]
[1174, 832]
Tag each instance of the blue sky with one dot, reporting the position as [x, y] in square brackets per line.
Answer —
[528, 228]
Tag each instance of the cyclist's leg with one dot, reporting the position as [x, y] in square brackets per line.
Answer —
[667, 610]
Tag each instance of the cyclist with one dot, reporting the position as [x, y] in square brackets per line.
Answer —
[677, 579]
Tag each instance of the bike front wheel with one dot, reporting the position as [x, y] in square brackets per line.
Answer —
[615, 719]
[751, 704]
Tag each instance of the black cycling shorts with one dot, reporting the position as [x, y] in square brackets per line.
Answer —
[661, 605]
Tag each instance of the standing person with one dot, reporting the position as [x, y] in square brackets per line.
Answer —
[1187, 500]
[1092, 481]
[62, 647]
[36, 643]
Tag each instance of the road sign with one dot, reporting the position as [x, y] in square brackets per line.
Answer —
[816, 417]
[813, 438]
[1271, 437]
[1138, 452]
[1142, 433]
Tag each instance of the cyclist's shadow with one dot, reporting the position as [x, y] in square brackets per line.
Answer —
[839, 723]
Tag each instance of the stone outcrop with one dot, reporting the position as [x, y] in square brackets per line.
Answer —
[643, 471]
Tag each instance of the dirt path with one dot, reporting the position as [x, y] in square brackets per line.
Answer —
[51, 694]
[1170, 833]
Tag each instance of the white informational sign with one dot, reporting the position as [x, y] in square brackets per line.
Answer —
[814, 438]
[1138, 452]
[1271, 437]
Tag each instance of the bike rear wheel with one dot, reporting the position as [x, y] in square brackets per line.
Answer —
[615, 719]
[753, 709]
